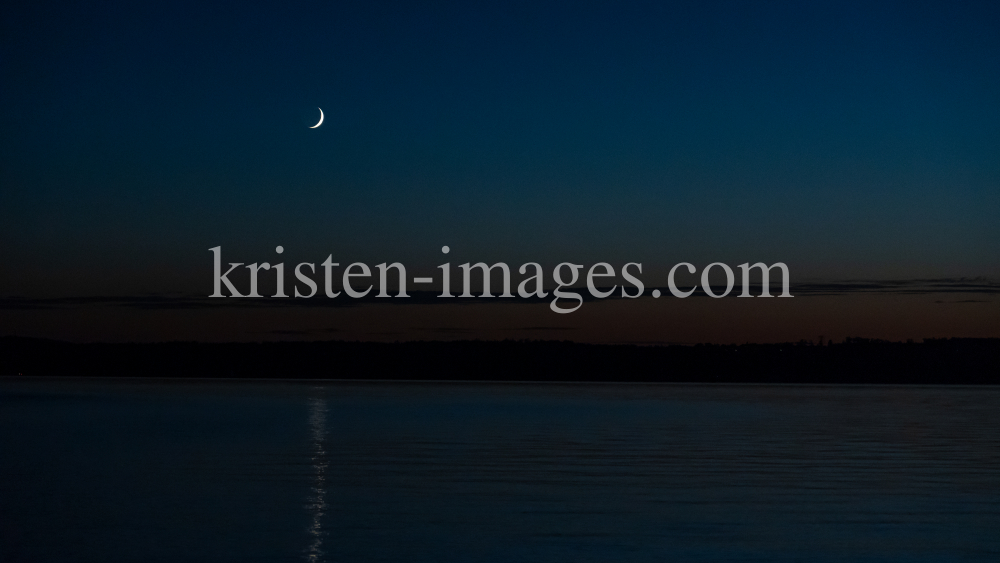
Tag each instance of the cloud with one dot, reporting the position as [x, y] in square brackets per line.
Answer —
[648, 343]
[541, 328]
[903, 287]
[933, 286]
[445, 329]
[462, 330]
[302, 332]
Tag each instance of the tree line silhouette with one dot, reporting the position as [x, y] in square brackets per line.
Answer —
[856, 360]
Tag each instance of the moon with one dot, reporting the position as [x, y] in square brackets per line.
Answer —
[320, 119]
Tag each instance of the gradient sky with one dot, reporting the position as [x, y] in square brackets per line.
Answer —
[850, 140]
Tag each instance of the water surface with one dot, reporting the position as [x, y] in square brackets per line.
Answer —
[134, 470]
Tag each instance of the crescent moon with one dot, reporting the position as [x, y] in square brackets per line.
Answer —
[320, 119]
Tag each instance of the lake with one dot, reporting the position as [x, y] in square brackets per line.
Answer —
[172, 470]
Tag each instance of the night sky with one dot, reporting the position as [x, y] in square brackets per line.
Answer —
[853, 141]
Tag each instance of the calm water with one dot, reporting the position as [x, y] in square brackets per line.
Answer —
[256, 471]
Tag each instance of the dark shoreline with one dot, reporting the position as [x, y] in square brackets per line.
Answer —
[856, 361]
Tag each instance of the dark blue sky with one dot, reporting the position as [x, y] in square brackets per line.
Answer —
[847, 139]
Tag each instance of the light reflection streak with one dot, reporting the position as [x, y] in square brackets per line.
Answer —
[317, 502]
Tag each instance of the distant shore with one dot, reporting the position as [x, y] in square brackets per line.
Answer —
[854, 361]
